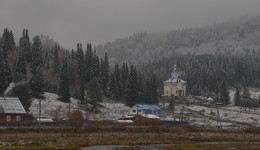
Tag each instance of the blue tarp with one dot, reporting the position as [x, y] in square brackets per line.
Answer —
[174, 122]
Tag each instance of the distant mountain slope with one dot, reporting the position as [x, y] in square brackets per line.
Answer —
[239, 36]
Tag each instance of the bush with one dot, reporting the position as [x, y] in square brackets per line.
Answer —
[76, 119]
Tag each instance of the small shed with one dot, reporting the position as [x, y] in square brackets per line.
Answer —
[11, 111]
[210, 100]
[148, 110]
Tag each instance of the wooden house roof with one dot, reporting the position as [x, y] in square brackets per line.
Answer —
[11, 105]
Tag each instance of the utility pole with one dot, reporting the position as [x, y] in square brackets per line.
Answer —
[218, 118]
[40, 110]
[181, 114]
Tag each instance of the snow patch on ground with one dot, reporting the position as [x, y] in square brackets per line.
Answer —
[111, 110]
[51, 107]
[199, 115]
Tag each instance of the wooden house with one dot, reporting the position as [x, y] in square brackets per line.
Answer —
[11, 111]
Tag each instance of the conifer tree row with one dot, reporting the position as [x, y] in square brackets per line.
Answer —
[129, 85]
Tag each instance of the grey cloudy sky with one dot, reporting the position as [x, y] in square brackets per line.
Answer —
[101, 21]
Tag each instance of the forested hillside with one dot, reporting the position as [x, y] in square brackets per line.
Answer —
[32, 67]
[207, 72]
[209, 58]
[237, 37]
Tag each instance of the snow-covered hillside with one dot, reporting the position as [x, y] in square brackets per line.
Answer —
[51, 107]
[199, 115]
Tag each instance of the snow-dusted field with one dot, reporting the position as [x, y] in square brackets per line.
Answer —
[51, 107]
[199, 115]
[111, 111]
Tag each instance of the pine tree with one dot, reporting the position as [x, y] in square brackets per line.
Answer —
[237, 97]
[154, 94]
[27, 46]
[103, 83]
[8, 46]
[80, 61]
[124, 77]
[96, 66]
[104, 74]
[81, 71]
[132, 95]
[3, 81]
[72, 54]
[224, 97]
[20, 67]
[89, 64]
[82, 92]
[141, 91]
[118, 79]
[36, 81]
[114, 87]
[94, 92]
[56, 63]
[148, 93]
[64, 84]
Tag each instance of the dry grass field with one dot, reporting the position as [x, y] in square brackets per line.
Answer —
[67, 138]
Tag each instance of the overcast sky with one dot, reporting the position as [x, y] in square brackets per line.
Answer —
[101, 21]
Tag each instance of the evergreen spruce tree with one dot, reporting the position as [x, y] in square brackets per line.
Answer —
[237, 97]
[124, 77]
[80, 61]
[106, 68]
[118, 79]
[94, 92]
[102, 78]
[81, 71]
[132, 95]
[82, 93]
[8, 46]
[56, 63]
[89, 64]
[224, 97]
[141, 91]
[64, 84]
[114, 87]
[104, 74]
[148, 92]
[3, 81]
[154, 94]
[20, 67]
[36, 81]
[96, 66]
[27, 46]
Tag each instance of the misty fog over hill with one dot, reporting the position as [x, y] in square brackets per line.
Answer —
[237, 37]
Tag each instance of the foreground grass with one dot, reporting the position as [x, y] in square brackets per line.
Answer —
[35, 138]
[212, 147]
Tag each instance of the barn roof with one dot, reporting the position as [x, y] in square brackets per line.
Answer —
[11, 105]
[150, 109]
